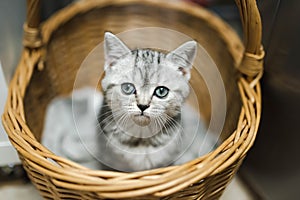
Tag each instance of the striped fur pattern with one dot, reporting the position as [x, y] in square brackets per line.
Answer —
[140, 118]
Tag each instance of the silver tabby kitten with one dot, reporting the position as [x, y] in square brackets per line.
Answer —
[144, 91]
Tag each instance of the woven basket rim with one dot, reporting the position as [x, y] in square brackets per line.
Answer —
[109, 184]
[228, 35]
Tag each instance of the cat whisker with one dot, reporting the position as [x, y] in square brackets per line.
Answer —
[175, 125]
[110, 118]
[109, 111]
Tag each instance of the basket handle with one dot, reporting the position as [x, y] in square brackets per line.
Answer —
[32, 37]
[252, 61]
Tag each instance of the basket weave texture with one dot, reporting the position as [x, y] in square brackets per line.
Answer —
[52, 54]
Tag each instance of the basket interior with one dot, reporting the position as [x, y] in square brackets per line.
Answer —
[73, 40]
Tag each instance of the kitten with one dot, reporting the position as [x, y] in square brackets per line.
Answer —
[144, 90]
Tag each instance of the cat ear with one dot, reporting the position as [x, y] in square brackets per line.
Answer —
[114, 48]
[184, 57]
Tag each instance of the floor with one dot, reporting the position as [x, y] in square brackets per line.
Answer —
[17, 190]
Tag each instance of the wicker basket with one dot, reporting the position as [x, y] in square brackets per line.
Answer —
[62, 42]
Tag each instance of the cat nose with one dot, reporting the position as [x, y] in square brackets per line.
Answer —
[143, 107]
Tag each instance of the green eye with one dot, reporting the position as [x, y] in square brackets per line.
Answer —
[161, 92]
[128, 88]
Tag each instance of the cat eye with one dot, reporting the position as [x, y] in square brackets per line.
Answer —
[128, 88]
[161, 92]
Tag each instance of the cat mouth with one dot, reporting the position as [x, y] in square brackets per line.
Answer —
[141, 119]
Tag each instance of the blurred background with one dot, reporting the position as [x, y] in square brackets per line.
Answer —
[272, 168]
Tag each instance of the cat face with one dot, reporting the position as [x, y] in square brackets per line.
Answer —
[145, 88]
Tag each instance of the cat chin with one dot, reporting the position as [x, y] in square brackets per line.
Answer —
[141, 120]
